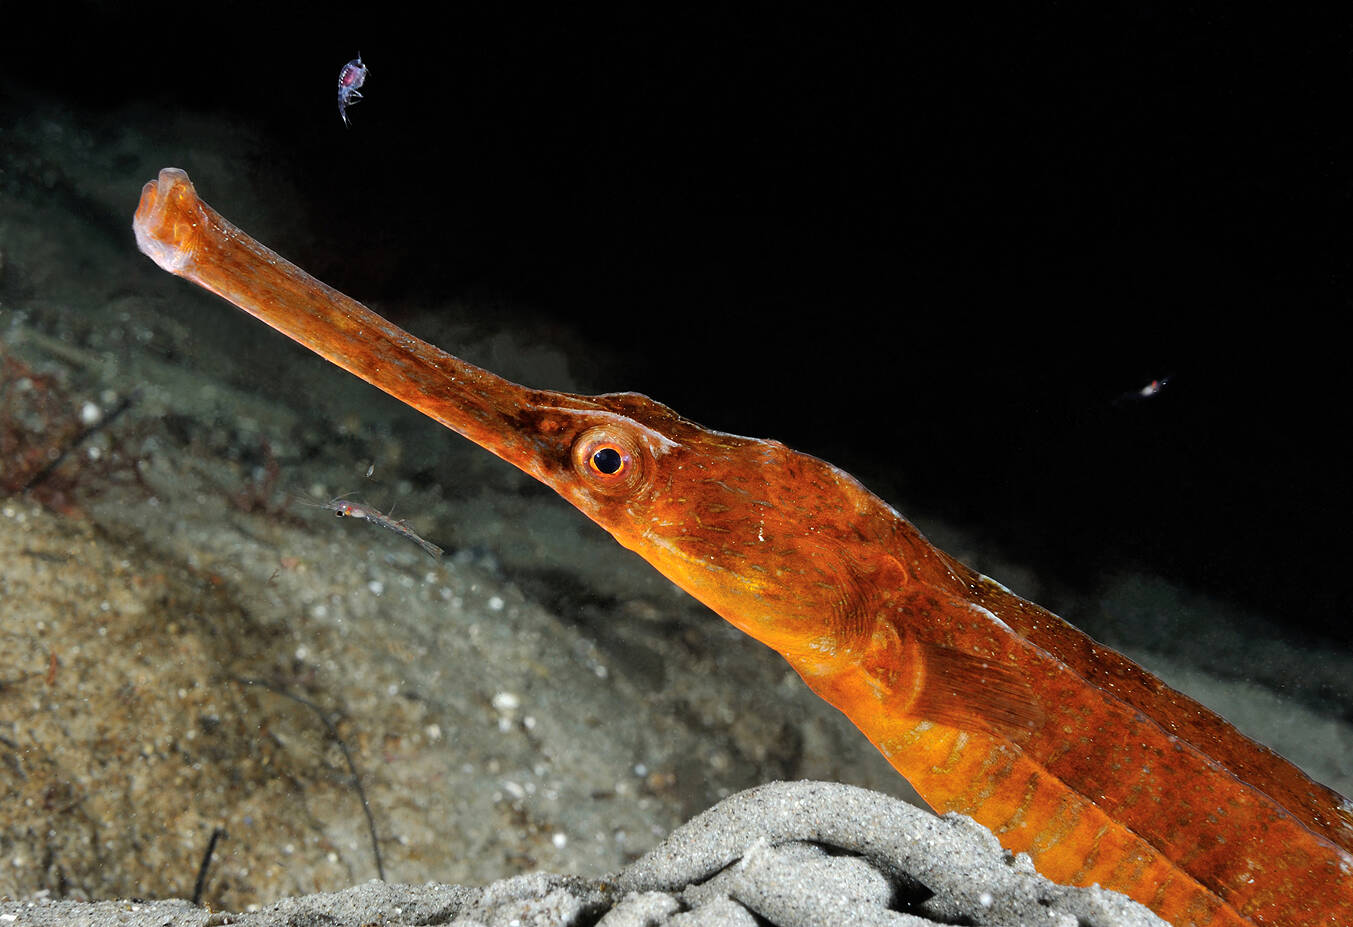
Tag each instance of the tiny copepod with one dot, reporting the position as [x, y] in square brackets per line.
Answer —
[350, 80]
[1148, 391]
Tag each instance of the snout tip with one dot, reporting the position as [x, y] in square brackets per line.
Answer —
[167, 219]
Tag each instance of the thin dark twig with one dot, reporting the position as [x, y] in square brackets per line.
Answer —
[85, 434]
[347, 755]
[216, 834]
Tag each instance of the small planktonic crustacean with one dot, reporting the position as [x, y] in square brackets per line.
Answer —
[346, 508]
[350, 80]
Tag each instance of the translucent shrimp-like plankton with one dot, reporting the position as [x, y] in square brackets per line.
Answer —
[350, 80]
[346, 508]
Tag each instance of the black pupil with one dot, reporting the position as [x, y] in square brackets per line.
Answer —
[607, 459]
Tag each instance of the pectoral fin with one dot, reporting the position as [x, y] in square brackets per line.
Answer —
[971, 692]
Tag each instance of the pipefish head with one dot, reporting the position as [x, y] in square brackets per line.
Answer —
[768, 537]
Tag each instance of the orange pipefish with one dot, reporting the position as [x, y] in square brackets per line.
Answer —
[990, 705]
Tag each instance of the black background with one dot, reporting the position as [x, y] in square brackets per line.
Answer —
[933, 247]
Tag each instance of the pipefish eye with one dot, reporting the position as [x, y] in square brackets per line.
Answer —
[608, 458]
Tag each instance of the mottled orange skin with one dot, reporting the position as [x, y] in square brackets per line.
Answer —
[988, 704]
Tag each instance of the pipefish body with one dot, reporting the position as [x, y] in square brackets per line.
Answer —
[990, 705]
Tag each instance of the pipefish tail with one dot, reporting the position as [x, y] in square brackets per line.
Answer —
[990, 705]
